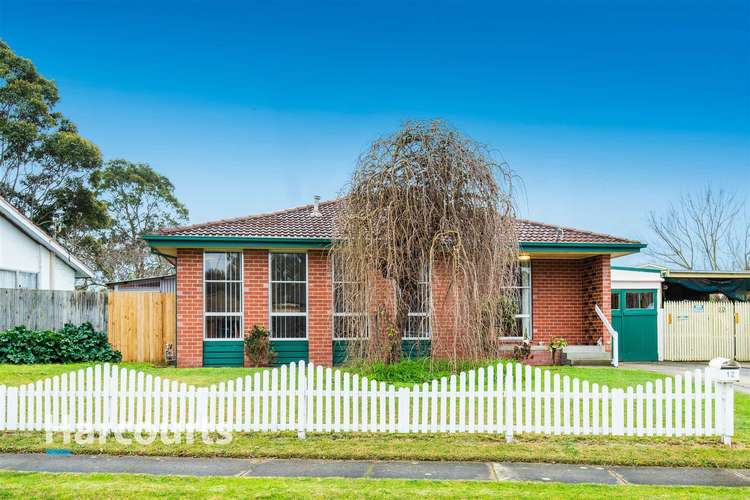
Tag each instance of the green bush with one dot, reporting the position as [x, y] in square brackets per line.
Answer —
[258, 347]
[414, 371]
[71, 344]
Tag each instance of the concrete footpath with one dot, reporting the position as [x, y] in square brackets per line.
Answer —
[375, 469]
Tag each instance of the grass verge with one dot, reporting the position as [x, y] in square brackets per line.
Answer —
[47, 485]
[698, 452]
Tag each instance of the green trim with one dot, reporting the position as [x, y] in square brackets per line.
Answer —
[580, 247]
[182, 241]
[223, 353]
[638, 269]
[233, 242]
[412, 349]
[286, 351]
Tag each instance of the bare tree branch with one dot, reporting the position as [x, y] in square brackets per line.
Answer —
[702, 232]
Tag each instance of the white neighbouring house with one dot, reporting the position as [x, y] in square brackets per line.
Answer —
[30, 258]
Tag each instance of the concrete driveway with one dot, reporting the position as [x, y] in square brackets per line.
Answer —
[674, 368]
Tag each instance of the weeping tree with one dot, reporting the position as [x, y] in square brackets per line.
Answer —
[426, 209]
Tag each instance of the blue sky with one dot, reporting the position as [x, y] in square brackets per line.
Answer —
[605, 110]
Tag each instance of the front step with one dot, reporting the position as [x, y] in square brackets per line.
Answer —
[587, 355]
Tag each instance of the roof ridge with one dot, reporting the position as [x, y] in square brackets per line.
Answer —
[568, 228]
[199, 225]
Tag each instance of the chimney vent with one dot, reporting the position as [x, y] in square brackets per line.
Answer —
[316, 207]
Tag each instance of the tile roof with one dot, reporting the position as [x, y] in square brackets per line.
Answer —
[298, 223]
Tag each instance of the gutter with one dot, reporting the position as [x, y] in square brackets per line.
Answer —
[182, 241]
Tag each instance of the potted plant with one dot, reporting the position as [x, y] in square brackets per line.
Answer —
[557, 344]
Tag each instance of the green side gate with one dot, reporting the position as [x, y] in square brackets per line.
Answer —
[634, 316]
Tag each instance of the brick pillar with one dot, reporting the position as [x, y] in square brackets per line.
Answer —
[444, 343]
[319, 308]
[189, 308]
[556, 300]
[596, 288]
[255, 290]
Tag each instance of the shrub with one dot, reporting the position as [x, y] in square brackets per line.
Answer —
[414, 371]
[258, 347]
[71, 344]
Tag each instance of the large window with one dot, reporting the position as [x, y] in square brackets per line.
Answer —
[347, 324]
[18, 279]
[288, 287]
[418, 321]
[522, 299]
[222, 278]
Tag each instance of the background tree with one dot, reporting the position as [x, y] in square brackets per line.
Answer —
[708, 230]
[139, 200]
[428, 197]
[45, 164]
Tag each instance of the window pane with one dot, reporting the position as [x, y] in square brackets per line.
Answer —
[349, 327]
[523, 278]
[288, 297]
[215, 297]
[288, 267]
[615, 301]
[420, 302]
[339, 296]
[234, 297]
[223, 327]
[215, 266]
[288, 327]
[523, 327]
[418, 327]
[525, 301]
[647, 300]
[234, 266]
[639, 300]
[631, 300]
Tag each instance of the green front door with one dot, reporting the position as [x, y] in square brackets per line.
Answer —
[634, 318]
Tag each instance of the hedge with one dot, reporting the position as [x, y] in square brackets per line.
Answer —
[71, 344]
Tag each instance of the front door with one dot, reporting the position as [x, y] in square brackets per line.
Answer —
[634, 317]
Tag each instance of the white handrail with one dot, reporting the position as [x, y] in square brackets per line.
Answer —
[613, 333]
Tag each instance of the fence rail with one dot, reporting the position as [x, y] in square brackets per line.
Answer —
[504, 399]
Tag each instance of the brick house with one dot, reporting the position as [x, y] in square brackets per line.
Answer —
[275, 270]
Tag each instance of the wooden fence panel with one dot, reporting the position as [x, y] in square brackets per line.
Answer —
[51, 309]
[702, 330]
[141, 324]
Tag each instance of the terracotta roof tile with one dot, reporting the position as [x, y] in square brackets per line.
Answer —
[299, 223]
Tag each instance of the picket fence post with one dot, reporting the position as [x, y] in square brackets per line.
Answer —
[302, 395]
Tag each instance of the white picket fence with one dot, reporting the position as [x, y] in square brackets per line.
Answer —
[505, 399]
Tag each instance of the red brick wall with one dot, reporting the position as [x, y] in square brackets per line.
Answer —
[596, 289]
[563, 296]
[444, 343]
[556, 300]
[255, 290]
[189, 308]
[319, 307]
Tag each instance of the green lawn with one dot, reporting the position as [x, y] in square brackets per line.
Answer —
[405, 374]
[482, 447]
[43, 485]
